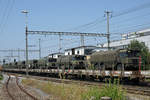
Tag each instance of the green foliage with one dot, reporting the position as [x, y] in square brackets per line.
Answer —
[143, 52]
[136, 45]
[1, 77]
[111, 90]
[94, 93]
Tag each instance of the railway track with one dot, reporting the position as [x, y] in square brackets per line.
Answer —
[16, 91]
[139, 90]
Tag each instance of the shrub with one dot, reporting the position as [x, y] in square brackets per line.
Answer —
[114, 91]
[1, 77]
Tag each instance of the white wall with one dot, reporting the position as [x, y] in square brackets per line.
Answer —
[81, 51]
[55, 55]
[69, 51]
[145, 39]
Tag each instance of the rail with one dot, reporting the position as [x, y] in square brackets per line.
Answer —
[20, 87]
[8, 89]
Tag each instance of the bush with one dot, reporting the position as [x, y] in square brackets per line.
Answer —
[114, 91]
[1, 77]
[143, 52]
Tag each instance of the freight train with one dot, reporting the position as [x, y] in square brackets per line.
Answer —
[124, 64]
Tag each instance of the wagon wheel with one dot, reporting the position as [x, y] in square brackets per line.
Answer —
[102, 67]
[119, 66]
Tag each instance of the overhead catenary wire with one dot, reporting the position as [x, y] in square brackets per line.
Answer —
[128, 20]
[66, 44]
[135, 26]
[114, 24]
[98, 20]
[124, 21]
[134, 9]
[131, 18]
[6, 15]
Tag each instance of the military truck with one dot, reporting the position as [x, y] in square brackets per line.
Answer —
[72, 62]
[122, 59]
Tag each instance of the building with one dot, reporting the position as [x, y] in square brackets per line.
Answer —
[55, 55]
[142, 36]
[81, 50]
[131, 35]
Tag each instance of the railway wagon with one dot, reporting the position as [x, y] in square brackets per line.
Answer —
[105, 64]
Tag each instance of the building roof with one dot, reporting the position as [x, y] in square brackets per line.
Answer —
[80, 47]
[56, 53]
[145, 31]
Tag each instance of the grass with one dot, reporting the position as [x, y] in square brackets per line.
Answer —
[147, 80]
[77, 92]
[59, 90]
[111, 90]
[1, 77]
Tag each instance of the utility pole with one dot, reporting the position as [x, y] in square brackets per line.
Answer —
[59, 43]
[26, 33]
[82, 40]
[18, 54]
[11, 53]
[18, 57]
[39, 48]
[108, 33]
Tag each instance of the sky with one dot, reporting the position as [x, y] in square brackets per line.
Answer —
[67, 15]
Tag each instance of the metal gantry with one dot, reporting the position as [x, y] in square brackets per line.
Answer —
[17, 51]
[67, 33]
[81, 34]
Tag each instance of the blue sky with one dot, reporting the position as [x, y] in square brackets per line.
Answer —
[66, 15]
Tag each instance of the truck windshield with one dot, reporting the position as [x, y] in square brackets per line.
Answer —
[132, 53]
[51, 60]
[129, 53]
[78, 58]
[123, 54]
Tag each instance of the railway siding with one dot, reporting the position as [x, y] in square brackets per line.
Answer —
[15, 91]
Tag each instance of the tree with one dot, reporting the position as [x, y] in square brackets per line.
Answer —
[143, 52]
